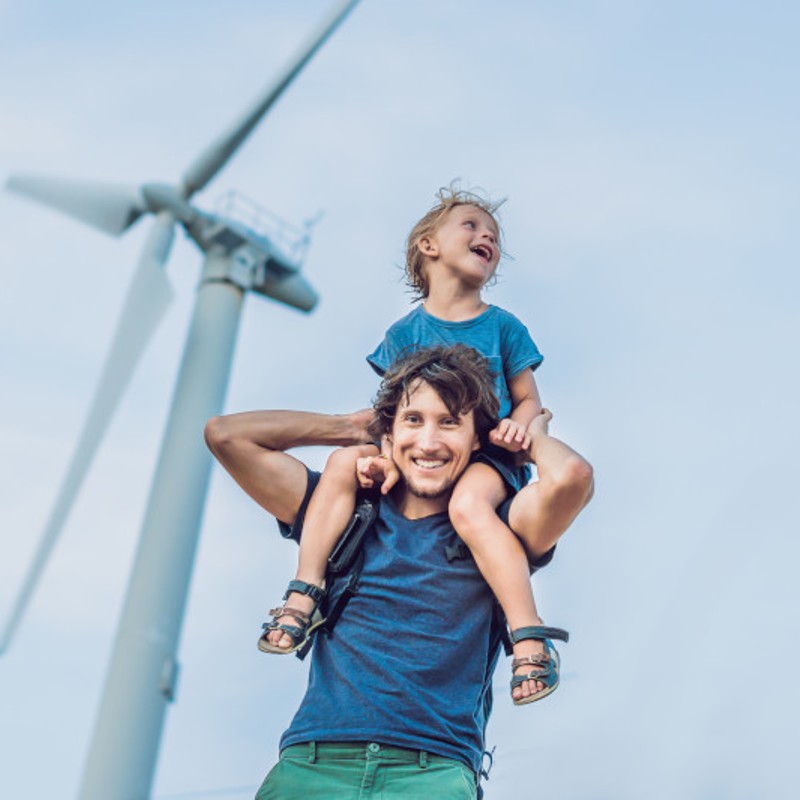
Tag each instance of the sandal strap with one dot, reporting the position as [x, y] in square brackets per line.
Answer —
[539, 633]
[537, 660]
[287, 611]
[316, 593]
[292, 631]
[545, 676]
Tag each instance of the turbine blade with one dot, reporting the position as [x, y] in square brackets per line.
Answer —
[109, 207]
[211, 160]
[148, 298]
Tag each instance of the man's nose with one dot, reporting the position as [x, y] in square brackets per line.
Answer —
[428, 437]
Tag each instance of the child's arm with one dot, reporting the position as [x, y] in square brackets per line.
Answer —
[379, 469]
[512, 433]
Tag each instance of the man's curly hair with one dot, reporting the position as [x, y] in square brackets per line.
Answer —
[459, 375]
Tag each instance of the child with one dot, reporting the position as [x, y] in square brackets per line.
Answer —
[453, 252]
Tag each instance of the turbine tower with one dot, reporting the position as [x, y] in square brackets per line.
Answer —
[141, 677]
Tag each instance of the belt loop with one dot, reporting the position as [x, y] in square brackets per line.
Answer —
[423, 759]
[312, 752]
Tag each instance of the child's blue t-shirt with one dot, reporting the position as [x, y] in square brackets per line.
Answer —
[496, 334]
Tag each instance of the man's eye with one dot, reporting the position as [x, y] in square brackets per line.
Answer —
[450, 422]
[412, 418]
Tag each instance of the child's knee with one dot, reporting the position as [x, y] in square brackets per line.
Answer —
[341, 463]
[468, 508]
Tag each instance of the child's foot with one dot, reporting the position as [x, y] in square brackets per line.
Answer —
[536, 663]
[283, 616]
[535, 650]
[294, 622]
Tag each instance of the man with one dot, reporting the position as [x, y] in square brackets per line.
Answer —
[399, 694]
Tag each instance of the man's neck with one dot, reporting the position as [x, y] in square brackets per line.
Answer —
[413, 507]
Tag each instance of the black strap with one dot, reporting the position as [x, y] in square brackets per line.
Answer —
[350, 542]
[350, 589]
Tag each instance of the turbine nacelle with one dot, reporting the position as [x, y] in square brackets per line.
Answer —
[260, 263]
[257, 263]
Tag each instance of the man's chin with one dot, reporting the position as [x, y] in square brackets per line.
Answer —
[428, 492]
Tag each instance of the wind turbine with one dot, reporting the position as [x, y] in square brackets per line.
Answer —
[141, 677]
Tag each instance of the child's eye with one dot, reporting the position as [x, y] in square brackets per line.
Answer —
[469, 223]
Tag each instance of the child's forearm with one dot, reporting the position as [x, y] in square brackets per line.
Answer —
[525, 402]
[526, 411]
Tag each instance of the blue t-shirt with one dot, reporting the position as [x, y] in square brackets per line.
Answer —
[410, 661]
[496, 334]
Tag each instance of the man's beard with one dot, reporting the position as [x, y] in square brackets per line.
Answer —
[433, 493]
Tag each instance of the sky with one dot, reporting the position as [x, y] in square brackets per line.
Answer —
[648, 152]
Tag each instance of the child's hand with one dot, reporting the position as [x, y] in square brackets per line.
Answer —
[510, 436]
[377, 469]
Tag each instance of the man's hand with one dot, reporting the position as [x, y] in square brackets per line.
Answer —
[374, 470]
[511, 436]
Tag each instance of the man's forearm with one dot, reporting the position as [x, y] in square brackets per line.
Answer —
[251, 448]
[284, 430]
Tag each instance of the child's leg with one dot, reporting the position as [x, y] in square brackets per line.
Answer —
[498, 554]
[329, 511]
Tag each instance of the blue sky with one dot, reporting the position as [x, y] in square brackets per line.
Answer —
[649, 154]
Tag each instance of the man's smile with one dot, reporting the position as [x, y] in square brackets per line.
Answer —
[429, 463]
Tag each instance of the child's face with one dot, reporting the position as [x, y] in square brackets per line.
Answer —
[466, 244]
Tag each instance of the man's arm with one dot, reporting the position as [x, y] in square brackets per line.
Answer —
[251, 448]
[543, 510]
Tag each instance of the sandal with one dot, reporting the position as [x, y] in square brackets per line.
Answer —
[545, 665]
[308, 622]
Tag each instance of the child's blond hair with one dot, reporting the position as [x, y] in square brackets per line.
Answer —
[449, 197]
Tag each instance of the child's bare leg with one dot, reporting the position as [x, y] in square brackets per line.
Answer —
[329, 511]
[499, 556]
[543, 510]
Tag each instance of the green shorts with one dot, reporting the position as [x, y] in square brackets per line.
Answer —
[361, 771]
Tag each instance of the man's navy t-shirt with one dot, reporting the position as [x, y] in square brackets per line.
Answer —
[410, 661]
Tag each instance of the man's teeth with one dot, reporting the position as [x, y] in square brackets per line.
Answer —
[429, 463]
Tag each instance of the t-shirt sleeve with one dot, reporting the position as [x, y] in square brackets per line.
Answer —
[394, 345]
[293, 530]
[380, 358]
[519, 349]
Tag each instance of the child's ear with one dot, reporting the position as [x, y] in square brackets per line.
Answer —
[427, 246]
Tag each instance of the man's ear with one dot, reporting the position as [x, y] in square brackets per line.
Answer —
[427, 246]
[476, 443]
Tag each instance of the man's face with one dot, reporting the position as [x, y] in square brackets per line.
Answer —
[430, 446]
